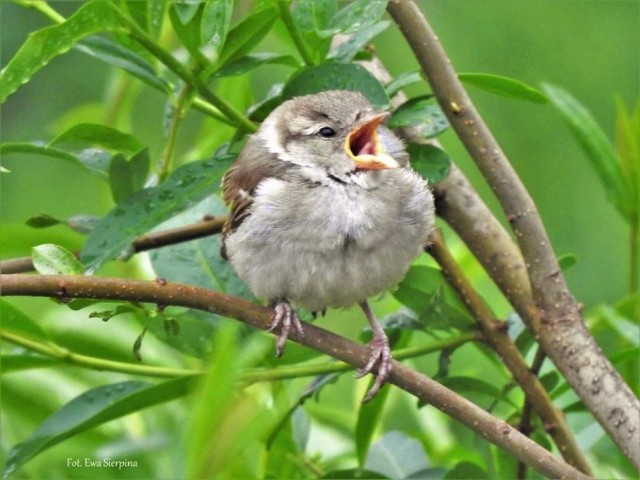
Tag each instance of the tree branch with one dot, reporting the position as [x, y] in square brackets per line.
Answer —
[460, 205]
[557, 317]
[427, 390]
[495, 334]
[204, 228]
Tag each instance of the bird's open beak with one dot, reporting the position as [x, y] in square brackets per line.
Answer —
[364, 148]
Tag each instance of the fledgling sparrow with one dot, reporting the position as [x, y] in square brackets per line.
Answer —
[325, 212]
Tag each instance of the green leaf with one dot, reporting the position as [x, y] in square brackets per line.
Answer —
[247, 34]
[467, 470]
[119, 178]
[429, 161]
[357, 15]
[504, 86]
[79, 223]
[311, 18]
[128, 176]
[419, 282]
[259, 111]
[346, 51]
[337, 76]
[597, 147]
[422, 113]
[121, 57]
[196, 330]
[17, 322]
[403, 80]
[186, 9]
[186, 19]
[471, 385]
[214, 26]
[550, 380]
[93, 408]
[222, 417]
[94, 161]
[50, 259]
[98, 135]
[627, 143]
[43, 221]
[255, 60]
[43, 45]
[123, 309]
[397, 456]
[567, 260]
[618, 357]
[369, 415]
[198, 262]
[441, 315]
[149, 207]
[402, 319]
[148, 14]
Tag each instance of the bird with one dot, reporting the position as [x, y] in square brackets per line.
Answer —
[326, 212]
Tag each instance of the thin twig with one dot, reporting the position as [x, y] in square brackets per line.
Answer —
[557, 316]
[165, 164]
[524, 426]
[204, 228]
[285, 14]
[427, 390]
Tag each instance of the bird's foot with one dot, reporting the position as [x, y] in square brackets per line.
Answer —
[284, 318]
[380, 356]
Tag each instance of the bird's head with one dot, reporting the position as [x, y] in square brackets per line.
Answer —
[338, 131]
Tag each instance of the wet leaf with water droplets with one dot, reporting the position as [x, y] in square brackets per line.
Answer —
[50, 259]
[44, 45]
[423, 113]
[93, 408]
[149, 207]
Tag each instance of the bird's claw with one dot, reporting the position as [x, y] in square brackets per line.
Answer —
[380, 356]
[284, 317]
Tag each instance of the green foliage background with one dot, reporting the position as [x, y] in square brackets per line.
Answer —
[587, 47]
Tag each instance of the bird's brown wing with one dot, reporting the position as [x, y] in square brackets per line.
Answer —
[253, 165]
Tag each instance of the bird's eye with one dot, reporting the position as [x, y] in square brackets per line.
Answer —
[326, 132]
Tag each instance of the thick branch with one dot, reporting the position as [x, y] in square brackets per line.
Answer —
[460, 205]
[557, 317]
[427, 390]
[495, 334]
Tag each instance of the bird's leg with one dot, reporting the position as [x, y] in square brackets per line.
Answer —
[284, 317]
[380, 355]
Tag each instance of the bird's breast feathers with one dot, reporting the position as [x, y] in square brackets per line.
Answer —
[333, 244]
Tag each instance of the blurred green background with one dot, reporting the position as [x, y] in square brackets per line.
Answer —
[588, 47]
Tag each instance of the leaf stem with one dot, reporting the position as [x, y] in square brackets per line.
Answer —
[187, 76]
[165, 163]
[249, 376]
[297, 371]
[44, 8]
[57, 352]
[287, 19]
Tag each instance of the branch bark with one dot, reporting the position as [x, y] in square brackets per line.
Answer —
[459, 204]
[495, 334]
[556, 316]
[424, 388]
